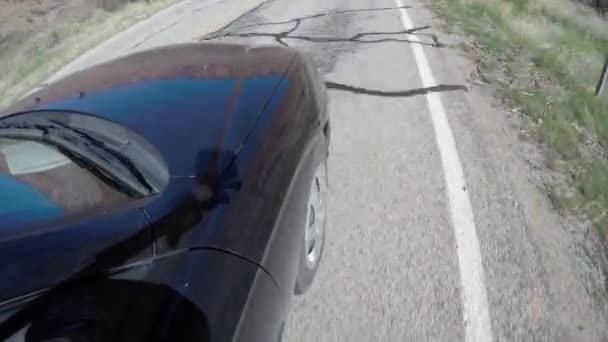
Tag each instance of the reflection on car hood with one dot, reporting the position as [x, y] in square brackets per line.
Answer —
[25, 157]
[184, 99]
[22, 203]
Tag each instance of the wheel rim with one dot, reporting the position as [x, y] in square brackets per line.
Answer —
[315, 218]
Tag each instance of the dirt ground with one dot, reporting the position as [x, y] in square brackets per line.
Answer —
[38, 37]
[20, 19]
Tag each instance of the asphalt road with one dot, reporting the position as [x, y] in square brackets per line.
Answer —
[437, 228]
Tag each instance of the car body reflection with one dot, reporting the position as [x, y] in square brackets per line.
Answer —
[228, 137]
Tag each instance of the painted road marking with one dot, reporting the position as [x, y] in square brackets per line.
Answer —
[474, 297]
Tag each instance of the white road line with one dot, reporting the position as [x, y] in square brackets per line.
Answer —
[474, 298]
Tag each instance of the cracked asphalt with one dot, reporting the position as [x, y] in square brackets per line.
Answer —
[390, 270]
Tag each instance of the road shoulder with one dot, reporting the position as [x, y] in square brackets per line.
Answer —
[535, 271]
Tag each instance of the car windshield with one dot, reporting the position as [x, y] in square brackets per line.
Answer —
[89, 153]
[39, 181]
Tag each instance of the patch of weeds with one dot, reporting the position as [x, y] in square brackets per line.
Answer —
[519, 6]
[601, 295]
[544, 59]
[559, 135]
[594, 183]
[570, 203]
[532, 102]
[574, 67]
[602, 229]
[591, 112]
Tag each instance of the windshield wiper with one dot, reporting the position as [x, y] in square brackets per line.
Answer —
[90, 153]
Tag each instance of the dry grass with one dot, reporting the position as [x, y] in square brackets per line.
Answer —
[545, 58]
[575, 14]
[29, 61]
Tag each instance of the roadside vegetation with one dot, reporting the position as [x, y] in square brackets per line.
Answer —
[38, 37]
[544, 58]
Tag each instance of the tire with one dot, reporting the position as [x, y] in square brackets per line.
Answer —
[313, 243]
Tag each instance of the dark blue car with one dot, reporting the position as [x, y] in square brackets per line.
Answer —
[177, 194]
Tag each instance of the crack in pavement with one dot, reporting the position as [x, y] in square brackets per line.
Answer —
[230, 23]
[281, 36]
[243, 15]
[360, 38]
[318, 15]
[402, 93]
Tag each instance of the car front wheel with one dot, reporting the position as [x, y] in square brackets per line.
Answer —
[314, 236]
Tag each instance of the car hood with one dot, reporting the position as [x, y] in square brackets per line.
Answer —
[187, 100]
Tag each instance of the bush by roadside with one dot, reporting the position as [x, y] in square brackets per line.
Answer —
[544, 58]
[37, 37]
